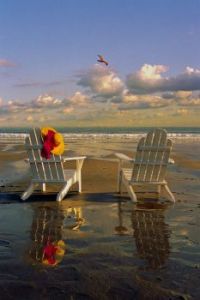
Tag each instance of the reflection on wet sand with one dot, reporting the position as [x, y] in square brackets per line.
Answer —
[48, 226]
[46, 234]
[73, 218]
[120, 229]
[151, 234]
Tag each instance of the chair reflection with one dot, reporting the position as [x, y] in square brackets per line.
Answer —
[121, 229]
[47, 231]
[151, 234]
[73, 218]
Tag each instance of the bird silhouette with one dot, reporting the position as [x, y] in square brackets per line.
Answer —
[102, 60]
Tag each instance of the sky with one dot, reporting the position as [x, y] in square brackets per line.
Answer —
[50, 76]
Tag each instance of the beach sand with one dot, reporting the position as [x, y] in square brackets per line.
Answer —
[114, 249]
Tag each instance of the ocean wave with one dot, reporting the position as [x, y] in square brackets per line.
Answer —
[19, 138]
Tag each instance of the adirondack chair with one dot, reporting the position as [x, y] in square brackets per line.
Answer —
[45, 171]
[149, 166]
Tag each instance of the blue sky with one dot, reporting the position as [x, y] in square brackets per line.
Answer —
[49, 68]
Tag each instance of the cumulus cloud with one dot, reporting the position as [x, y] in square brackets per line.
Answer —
[183, 94]
[79, 99]
[47, 101]
[102, 82]
[193, 101]
[131, 101]
[12, 106]
[106, 96]
[149, 79]
[186, 98]
[152, 73]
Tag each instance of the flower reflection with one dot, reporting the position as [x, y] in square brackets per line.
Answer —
[48, 231]
[47, 245]
[151, 234]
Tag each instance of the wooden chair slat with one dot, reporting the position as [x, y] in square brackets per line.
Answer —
[48, 170]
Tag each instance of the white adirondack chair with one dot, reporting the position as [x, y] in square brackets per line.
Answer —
[45, 171]
[149, 165]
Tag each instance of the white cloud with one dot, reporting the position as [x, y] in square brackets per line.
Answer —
[149, 72]
[79, 99]
[46, 100]
[193, 101]
[131, 101]
[149, 80]
[191, 71]
[183, 94]
[102, 82]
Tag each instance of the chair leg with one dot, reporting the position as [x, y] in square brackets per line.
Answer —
[159, 190]
[131, 193]
[64, 191]
[171, 196]
[119, 189]
[79, 182]
[43, 187]
[28, 192]
[119, 178]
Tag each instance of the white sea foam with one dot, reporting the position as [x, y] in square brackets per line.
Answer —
[19, 138]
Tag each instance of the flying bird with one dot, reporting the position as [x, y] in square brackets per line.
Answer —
[102, 60]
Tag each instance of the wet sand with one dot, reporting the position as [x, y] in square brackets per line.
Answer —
[114, 249]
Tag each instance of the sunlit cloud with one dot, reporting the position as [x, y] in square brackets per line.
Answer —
[68, 110]
[46, 100]
[102, 82]
[131, 101]
[193, 101]
[152, 73]
[79, 99]
[149, 80]
[102, 96]
[183, 94]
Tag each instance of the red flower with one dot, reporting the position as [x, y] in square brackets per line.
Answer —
[49, 252]
[48, 144]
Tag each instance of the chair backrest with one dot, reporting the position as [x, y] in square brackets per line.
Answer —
[43, 170]
[152, 157]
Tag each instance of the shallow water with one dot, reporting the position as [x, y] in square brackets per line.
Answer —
[153, 249]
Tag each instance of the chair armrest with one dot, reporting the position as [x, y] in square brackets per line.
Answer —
[27, 160]
[171, 161]
[73, 158]
[122, 156]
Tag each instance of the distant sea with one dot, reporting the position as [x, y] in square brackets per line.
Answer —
[17, 134]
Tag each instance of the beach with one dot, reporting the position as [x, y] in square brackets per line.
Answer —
[113, 248]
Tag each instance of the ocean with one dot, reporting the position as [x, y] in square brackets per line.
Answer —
[18, 134]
